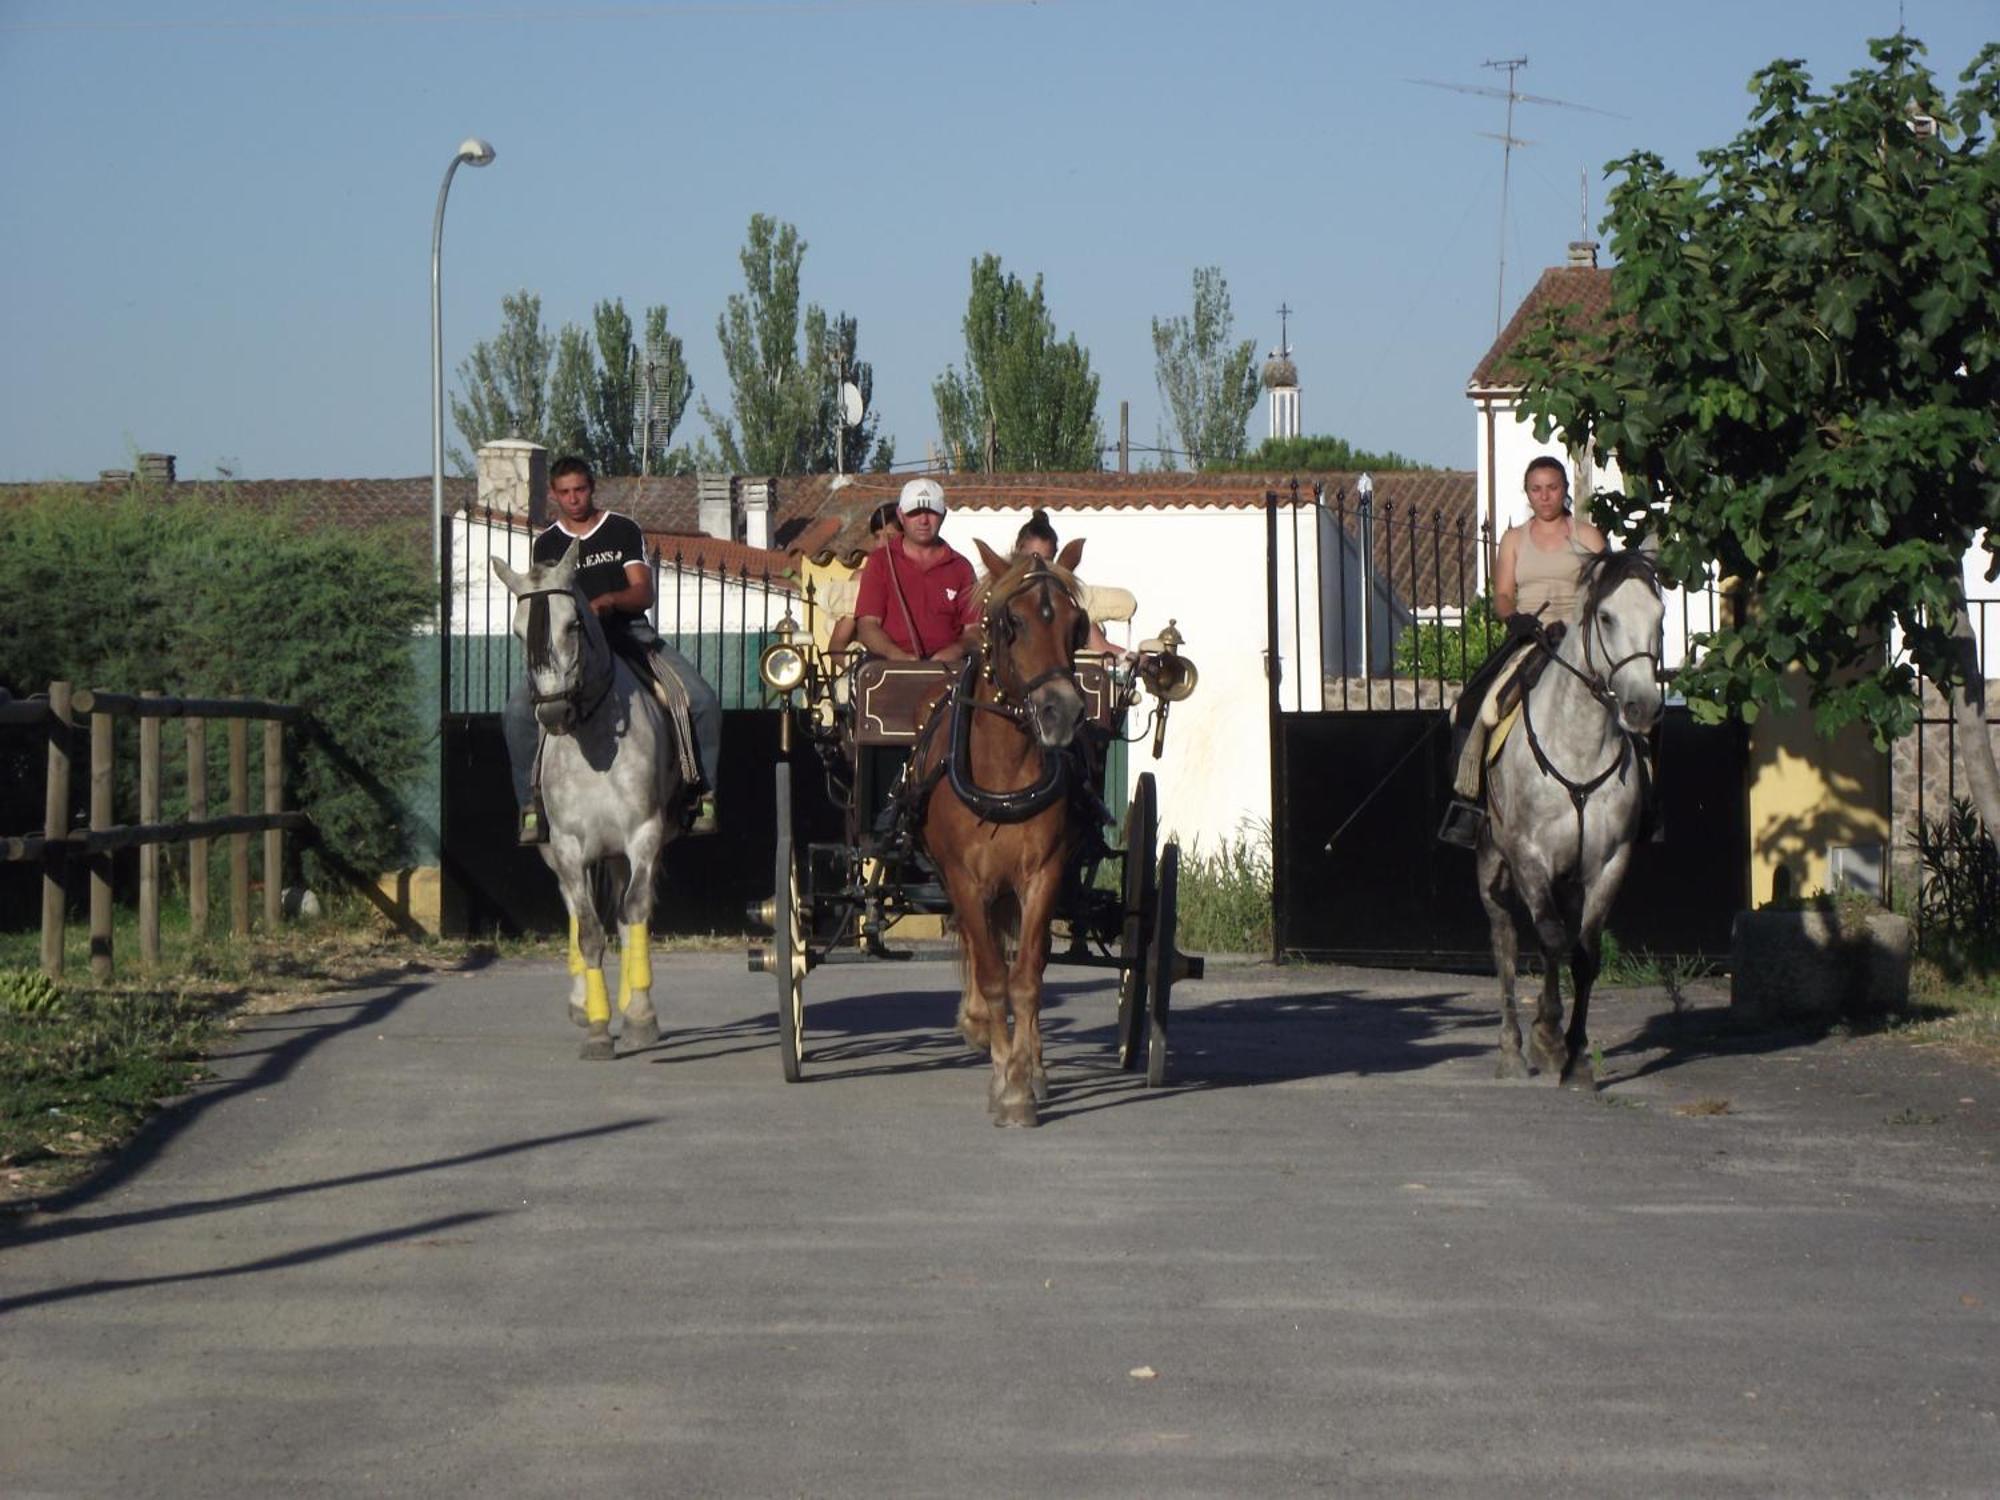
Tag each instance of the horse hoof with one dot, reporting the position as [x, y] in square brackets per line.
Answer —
[576, 1014]
[1020, 1115]
[639, 1034]
[1511, 1065]
[1038, 1085]
[1577, 1073]
[597, 1046]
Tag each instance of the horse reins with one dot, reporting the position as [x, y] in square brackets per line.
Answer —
[1598, 685]
[1053, 783]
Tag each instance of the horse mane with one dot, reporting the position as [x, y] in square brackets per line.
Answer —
[1604, 571]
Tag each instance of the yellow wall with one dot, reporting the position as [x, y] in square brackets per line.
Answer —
[415, 893]
[1809, 795]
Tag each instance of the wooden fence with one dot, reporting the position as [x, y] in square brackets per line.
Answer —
[57, 843]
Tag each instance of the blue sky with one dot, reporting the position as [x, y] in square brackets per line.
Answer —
[221, 209]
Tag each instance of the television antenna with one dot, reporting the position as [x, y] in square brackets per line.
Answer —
[1508, 141]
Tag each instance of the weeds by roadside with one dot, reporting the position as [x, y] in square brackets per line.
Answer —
[1225, 896]
[1672, 972]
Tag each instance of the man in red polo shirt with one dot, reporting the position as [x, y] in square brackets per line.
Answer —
[916, 594]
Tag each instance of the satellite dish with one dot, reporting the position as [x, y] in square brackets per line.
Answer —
[852, 408]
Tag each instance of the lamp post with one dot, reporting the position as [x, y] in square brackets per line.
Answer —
[473, 152]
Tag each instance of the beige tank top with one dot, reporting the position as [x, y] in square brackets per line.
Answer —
[1549, 578]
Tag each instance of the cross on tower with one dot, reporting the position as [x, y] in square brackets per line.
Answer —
[1284, 342]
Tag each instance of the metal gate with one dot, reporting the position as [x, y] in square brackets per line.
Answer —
[1374, 615]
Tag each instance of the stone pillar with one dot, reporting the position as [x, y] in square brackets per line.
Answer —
[514, 480]
[715, 506]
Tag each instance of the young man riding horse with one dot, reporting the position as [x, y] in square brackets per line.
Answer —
[616, 578]
[1535, 586]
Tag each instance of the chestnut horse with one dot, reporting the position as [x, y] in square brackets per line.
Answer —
[998, 824]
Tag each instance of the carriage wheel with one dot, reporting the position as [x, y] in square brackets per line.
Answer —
[1167, 964]
[1141, 829]
[788, 938]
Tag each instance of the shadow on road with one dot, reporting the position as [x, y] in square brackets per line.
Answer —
[303, 1029]
[74, 1225]
[303, 1257]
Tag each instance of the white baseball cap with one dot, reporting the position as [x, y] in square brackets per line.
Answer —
[922, 494]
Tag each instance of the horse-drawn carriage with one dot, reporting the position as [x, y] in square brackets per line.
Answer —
[875, 725]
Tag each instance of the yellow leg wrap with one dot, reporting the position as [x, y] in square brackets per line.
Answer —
[635, 963]
[596, 1003]
[575, 951]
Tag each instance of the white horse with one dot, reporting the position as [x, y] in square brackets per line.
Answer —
[1564, 798]
[609, 774]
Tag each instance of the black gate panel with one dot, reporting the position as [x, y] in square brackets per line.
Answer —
[1361, 877]
[493, 885]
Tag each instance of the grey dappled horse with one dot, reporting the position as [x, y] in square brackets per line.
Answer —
[1563, 803]
[609, 775]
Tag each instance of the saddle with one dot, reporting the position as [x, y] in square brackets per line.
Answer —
[1520, 674]
[669, 692]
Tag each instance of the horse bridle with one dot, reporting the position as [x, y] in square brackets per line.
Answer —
[1598, 685]
[539, 654]
[1053, 784]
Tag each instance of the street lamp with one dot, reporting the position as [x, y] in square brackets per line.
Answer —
[474, 152]
[477, 153]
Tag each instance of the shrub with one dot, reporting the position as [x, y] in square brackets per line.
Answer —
[1959, 893]
[1225, 897]
[202, 596]
[1441, 651]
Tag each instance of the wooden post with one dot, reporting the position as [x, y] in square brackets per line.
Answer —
[239, 843]
[1124, 437]
[100, 860]
[55, 826]
[274, 838]
[197, 789]
[149, 854]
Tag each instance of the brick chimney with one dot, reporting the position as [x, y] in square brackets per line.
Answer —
[715, 506]
[514, 480]
[156, 468]
[760, 504]
[1583, 255]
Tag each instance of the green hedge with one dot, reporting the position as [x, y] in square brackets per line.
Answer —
[202, 596]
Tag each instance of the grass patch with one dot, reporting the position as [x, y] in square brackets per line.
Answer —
[1225, 896]
[1701, 1108]
[1672, 972]
[82, 1064]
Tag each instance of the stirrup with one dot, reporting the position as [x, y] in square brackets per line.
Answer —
[704, 821]
[534, 825]
[1462, 822]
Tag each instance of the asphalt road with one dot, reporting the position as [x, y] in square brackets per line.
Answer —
[406, 1243]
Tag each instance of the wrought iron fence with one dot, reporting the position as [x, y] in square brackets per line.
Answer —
[719, 618]
[1390, 607]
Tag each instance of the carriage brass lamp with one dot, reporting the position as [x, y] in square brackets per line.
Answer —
[1170, 675]
[782, 668]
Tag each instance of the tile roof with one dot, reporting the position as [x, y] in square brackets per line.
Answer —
[1585, 289]
[826, 517]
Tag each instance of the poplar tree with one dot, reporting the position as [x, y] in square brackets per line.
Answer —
[1026, 400]
[1207, 383]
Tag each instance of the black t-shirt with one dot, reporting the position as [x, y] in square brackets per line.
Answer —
[603, 552]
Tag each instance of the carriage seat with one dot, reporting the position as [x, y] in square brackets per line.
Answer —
[892, 698]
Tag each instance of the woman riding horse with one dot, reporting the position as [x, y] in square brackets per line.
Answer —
[1535, 585]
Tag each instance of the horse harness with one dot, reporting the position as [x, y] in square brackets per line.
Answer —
[965, 699]
[1598, 685]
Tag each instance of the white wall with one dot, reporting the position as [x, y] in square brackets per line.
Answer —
[1204, 568]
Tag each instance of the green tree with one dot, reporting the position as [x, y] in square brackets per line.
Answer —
[1311, 455]
[665, 360]
[567, 428]
[505, 380]
[1026, 400]
[1208, 383]
[781, 366]
[1799, 378]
